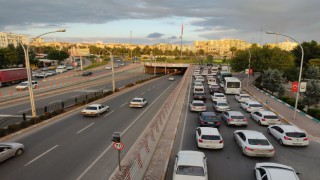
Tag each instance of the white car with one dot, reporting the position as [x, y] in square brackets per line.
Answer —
[218, 97]
[138, 102]
[242, 97]
[190, 165]
[251, 106]
[200, 79]
[235, 118]
[108, 67]
[253, 143]
[221, 106]
[198, 105]
[171, 78]
[274, 171]
[265, 117]
[209, 137]
[289, 135]
[197, 81]
[8, 150]
[24, 85]
[94, 110]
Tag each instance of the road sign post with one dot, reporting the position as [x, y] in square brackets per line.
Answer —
[117, 144]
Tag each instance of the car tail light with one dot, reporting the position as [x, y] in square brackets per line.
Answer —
[201, 122]
[271, 150]
[263, 119]
[193, 107]
[248, 149]
[230, 119]
[221, 141]
[249, 107]
[306, 139]
[287, 138]
[245, 119]
[200, 140]
[217, 123]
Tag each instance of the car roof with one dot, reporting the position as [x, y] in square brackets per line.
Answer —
[251, 134]
[253, 102]
[290, 128]
[194, 158]
[207, 113]
[95, 104]
[267, 112]
[235, 113]
[218, 94]
[197, 101]
[243, 94]
[138, 98]
[209, 131]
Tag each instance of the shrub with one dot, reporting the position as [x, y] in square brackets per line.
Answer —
[313, 112]
[129, 85]
[284, 98]
[116, 90]
[25, 124]
[14, 128]
[3, 132]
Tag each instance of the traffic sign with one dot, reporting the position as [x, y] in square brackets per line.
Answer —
[294, 87]
[118, 145]
[250, 71]
[303, 86]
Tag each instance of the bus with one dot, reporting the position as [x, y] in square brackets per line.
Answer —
[232, 85]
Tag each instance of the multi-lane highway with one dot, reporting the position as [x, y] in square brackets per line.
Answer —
[229, 163]
[77, 147]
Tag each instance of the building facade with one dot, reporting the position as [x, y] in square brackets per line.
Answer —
[10, 38]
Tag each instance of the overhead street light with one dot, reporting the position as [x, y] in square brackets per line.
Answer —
[27, 60]
[249, 67]
[300, 73]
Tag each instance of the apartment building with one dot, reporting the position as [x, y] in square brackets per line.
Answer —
[287, 45]
[10, 38]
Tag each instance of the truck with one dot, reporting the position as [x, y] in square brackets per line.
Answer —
[12, 76]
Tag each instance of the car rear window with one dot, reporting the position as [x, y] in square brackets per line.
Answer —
[296, 134]
[23, 84]
[245, 96]
[190, 170]
[199, 94]
[237, 117]
[271, 117]
[261, 142]
[198, 104]
[255, 105]
[198, 89]
[210, 137]
[218, 95]
[223, 104]
[91, 108]
[136, 100]
[209, 118]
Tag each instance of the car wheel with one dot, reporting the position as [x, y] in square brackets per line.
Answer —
[280, 141]
[107, 109]
[259, 122]
[268, 131]
[19, 152]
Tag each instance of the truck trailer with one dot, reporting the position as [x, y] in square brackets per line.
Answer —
[12, 76]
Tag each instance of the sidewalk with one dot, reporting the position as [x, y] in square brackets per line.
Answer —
[285, 111]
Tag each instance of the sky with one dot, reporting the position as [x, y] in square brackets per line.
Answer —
[160, 21]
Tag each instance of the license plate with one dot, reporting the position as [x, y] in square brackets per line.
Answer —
[210, 122]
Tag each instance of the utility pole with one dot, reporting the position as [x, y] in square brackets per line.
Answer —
[131, 45]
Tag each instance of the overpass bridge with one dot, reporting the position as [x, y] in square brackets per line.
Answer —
[164, 68]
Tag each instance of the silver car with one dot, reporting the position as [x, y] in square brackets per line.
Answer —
[8, 150]
[234, 118]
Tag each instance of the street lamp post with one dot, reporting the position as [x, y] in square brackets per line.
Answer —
[26, 54]
[249, 67]
[300, 73]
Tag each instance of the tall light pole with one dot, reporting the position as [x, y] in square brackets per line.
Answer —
[131, 45]
[249, 67]
[112, 65]
[300, 73]
[26, 56]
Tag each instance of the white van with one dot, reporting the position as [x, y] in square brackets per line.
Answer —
[61, 69]
[198, 89]
[25, 85]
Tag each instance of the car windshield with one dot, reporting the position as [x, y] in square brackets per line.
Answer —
[244, 96]
[190, 170]
[91, 108]
[255, 105]
[259, 142]
[197, 104]
[296, 134]
[198, 89]
[23, 84]
[209, 137]
[237, 117]
[199, 94]
[136, 100]
[215, 86]
[209, 118]
[271, 117]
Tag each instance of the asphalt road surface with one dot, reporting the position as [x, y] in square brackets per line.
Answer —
[230, 163]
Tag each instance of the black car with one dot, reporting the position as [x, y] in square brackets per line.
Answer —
[209, 119]
[215, 89]
[88, 73]
[200, 96]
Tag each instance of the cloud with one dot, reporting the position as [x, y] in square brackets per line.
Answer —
[155, 35]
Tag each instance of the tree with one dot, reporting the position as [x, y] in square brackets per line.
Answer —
[210, 59]
[272, 80]
[233, 50]
[312, 72]
[312, 94]
[58, 55]
[311, 51]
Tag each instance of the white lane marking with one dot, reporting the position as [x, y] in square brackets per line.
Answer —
[55, 102]
[84, 128]
[108, 113]
[41, 155]
[24, 110]
[11, 115]
[124, 104]
[123, 132]
[149, 89]
[143, 93]
[185, 117]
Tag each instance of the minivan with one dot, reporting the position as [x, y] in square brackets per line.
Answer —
[61, 69]
[24, 85]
